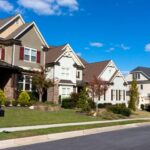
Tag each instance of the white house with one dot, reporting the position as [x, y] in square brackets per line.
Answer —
[64, 66]
[142, 76]
[107, 71]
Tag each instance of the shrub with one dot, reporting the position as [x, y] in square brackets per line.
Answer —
[2, 97]
[142, 107]
[147, 108]
[120, 109]
[92, 104]
[104, 105]
[7, 103]
[33, 96]
[23, 99]
[68, 103]
[15, 103]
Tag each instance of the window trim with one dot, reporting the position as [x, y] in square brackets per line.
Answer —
[30, 56]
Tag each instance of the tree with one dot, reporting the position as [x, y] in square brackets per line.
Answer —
[41, 83]
[83, 100]
[134, 95]
[98, 87]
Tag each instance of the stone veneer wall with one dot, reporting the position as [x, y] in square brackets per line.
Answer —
[53, 94]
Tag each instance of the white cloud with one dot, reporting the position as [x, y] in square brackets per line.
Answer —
[49, 7]
[86, 48]
[6, 6]
[79, 54]
[96, 44]
[110, 49]
[147, 47]
[125, 47]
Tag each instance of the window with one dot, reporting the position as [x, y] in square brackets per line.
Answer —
[25, 83]
[141, 86]
[30, 54]
[65, 72]
[66, 92]
[78, 74]
[136, 76]
[124, 95]
[116, 95]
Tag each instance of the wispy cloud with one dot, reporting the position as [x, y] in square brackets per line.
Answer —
[49, 7]
[79, 54]
[124, 47]
[6, 6]
[96, 44]
[86, 48]
[110, 49]
[147, 47]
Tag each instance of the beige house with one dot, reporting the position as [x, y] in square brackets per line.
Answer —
[22, 51]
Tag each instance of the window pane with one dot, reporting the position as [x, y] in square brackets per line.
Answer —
[27, 86]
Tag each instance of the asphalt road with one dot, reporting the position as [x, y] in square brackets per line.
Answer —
[129, 139]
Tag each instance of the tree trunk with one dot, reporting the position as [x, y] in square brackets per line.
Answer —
[40, 97]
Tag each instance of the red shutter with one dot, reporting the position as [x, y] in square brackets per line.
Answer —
[21, 53]
[38, 60]
[3, 54]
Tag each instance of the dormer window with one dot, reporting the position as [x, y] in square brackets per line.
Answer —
[136, 76]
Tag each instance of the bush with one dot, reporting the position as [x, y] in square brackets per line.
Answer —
[92, 104]
[23, 99]
[2, 97]
[142, 107]
[7, 103]
[147, 108]
[104, 105]
[68, 103]
[33, 96]
[15, 103]
[120, 109]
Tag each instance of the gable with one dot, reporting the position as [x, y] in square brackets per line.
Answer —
[31, 39]
[14, 25]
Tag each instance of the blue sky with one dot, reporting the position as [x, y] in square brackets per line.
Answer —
[96, 29]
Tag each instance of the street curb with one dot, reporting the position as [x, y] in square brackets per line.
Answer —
[58, 136]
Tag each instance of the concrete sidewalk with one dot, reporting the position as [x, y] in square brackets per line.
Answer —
[58, 136]
[24, 128]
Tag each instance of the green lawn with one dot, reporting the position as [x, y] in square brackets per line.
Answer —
[23, 117]
[12, 135]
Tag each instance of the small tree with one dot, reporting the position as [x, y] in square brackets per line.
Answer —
[23, 98]
[98, 87]
[83, 100]
[41, 83]
[134, 95]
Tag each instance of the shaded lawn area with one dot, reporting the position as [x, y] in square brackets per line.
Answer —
[24, 117]
[20, 134]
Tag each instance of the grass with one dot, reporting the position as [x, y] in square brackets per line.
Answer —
[24, 117]
[20, 134]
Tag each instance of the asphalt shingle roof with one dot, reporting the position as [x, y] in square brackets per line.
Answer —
[145, 70]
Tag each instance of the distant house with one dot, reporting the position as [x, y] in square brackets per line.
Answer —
[21, 53]
[142, 76]
[64, 66]
[107, 71]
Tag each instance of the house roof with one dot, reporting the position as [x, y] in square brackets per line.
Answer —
[17, 31]
[94, 69]
[53, 53]
[6, 21]
[145, 70]
[84, 62]
[66, 81]
[9, 66]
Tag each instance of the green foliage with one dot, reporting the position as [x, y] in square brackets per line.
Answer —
[92, 103]
[134, 95]
[105, 105]
[33, 96]
[147, 107]
[120, 109]
[7, 103]
[68, 103]
[2, 97]
[23, 99]
[142, 107]
[83, 103]
[15, 103]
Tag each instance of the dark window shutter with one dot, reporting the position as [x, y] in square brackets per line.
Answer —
[21, 53]
[3, 54]
[38, 57]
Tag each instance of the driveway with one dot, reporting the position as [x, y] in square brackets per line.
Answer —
[129, 139]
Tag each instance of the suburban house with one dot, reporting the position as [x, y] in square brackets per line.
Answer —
[107, 71]
[142, 76]
[65, 67]
[22, 52]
